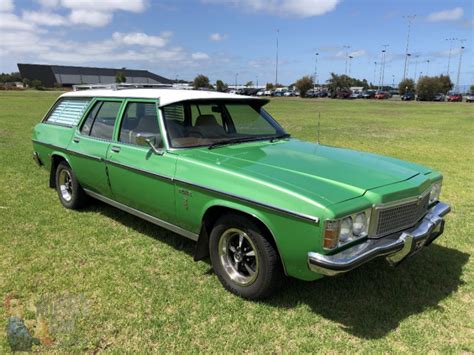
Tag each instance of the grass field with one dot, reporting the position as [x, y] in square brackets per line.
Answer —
[101, 279]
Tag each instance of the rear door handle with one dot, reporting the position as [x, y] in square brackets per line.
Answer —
[76, 140]
[116, 149]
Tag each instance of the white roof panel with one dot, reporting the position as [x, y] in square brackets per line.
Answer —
[166, 96]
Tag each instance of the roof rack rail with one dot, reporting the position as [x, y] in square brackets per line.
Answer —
[120, 86]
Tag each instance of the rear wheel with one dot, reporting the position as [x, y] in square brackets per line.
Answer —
[69, 190]
[245, 262]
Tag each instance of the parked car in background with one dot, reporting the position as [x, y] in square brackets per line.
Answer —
[455, 97]
[439, 97]
[311, 93]
[356, 95]
[343, 94]
[408, 96]
[268, 93]
[470, 97]
[369, 94]
[218, 169]
[381, 95]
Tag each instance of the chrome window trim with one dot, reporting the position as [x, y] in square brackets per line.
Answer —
[159, 222]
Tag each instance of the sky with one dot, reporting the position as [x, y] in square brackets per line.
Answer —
[236, 39]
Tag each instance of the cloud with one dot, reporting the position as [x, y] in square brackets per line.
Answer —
[95, 13]
[446, 15]
[217, 37]
[358, 53]
[297, 8]
[142, 39]
[44, 18]
[200, 56]
[6, 5]
[11, 22]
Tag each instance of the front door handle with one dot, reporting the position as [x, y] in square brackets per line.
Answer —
[116, 149]
[76, 140]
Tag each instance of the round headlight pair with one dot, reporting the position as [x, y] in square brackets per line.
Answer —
[352, 228]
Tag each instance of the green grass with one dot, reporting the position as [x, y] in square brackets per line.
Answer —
[112, 281]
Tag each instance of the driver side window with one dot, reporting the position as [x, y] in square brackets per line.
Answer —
[140, 118]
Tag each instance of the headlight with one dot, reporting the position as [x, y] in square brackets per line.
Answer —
[435, 192]
[360, 224]
[339, 232]
[345, 232]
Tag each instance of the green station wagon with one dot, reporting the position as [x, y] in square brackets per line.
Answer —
[218, 169]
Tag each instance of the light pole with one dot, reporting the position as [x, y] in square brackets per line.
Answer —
[416, 66]
[451, 40]
[408, 63]
[276, 66]
[375, 72]
[384, 52]
[427, 67]
[346, 47]
[236, 76]
[459, 65]
[350, 64]
[315, 71]
[257, 82]
[410, 20]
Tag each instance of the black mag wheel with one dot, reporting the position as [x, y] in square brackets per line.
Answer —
[244, 260]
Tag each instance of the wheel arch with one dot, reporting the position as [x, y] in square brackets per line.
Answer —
[214, 211]
[56, 158]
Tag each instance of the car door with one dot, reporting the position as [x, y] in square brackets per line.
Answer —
[89, 146]
[139, 177]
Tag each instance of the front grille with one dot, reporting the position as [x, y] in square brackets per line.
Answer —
[397, 218]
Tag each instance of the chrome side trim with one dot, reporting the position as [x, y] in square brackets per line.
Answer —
[306, 217]
[83, 155]
[143, 215]
[140, 171]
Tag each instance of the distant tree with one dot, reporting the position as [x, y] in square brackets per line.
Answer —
[220, 86]
[201, 81]
[26, 82]
[338, 83]
[37, 84]
[120, 77]
[427, 87]
[249, 84]
[304, 84]
[471, 88]
[445, 84]
[406, 85]
[269, 86]
[10, 77]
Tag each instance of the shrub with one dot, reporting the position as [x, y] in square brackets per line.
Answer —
[201, 81]
[406, 85]
[304, 84]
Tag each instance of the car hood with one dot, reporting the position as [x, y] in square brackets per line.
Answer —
[326, 174]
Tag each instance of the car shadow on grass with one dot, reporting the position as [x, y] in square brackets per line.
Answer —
[371, 301]
[368, 302]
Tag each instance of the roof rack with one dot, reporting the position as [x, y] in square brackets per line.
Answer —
[120, 86]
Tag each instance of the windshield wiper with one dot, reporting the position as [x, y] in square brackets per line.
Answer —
[281, 136]
[247, 139]
[235, 141]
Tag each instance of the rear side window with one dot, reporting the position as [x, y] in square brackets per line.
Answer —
[68, 112]
[140, 118]
[104, 122]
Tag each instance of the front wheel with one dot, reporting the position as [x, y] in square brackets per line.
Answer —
[245, 262]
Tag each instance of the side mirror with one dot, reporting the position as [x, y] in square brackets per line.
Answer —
[143, 139]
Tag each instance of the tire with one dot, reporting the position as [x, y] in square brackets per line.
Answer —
[245, 262]
[69, 190]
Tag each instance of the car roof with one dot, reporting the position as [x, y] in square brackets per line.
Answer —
[166, 96]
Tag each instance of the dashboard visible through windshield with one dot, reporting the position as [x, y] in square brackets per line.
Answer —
[211, 123]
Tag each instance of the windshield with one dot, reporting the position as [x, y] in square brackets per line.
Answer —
[205, 123]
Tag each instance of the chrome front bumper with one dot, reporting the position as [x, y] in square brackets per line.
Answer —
[395, 247]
